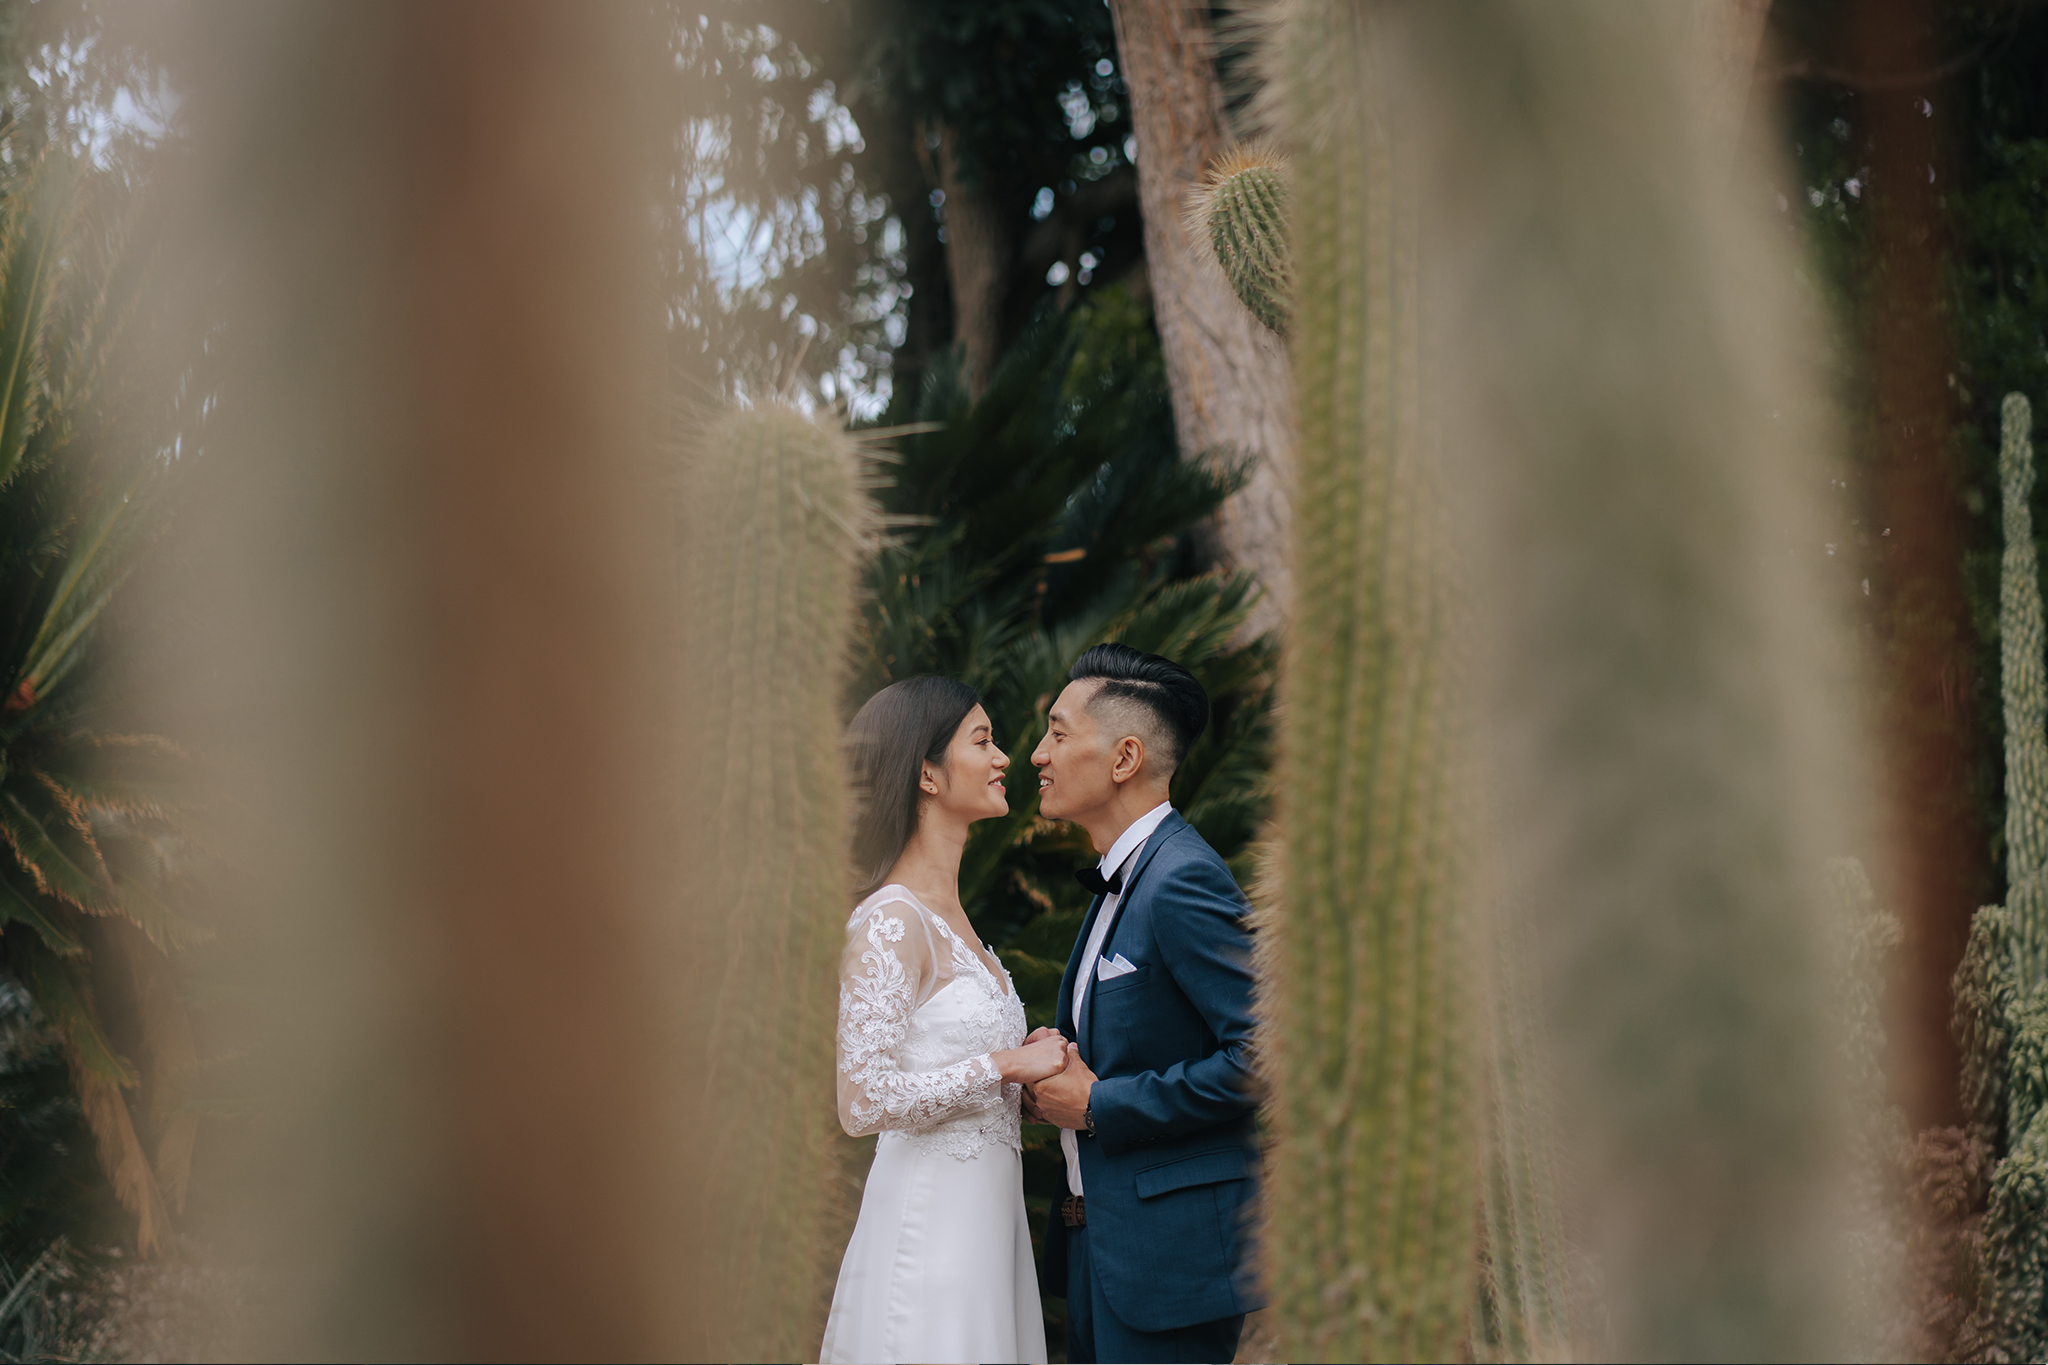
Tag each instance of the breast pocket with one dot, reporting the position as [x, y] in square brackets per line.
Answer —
[1129, 981]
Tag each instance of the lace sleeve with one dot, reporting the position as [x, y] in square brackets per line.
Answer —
[891, 967]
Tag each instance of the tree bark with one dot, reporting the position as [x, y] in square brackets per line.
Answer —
[977, 263]
[1228, 374]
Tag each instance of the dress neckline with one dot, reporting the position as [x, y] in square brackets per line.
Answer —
[1001, 984]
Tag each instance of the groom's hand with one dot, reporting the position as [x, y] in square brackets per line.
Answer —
[1063, 1099]
[1031, 1114]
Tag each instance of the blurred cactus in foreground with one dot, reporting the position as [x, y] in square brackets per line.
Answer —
[2001, 996]
[1660, 694]
[774, 523]
[1241, 209]
[1867, 934]
[1524, 1266]
[1373, 1186]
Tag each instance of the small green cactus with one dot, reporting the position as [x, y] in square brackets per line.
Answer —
[773, 522]
[1241, 208]
[1986, 993]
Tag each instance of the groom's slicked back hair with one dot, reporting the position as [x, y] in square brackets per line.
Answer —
[1167, 693]
[901, 728]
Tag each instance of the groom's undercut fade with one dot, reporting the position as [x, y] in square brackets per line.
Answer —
[1161, 701]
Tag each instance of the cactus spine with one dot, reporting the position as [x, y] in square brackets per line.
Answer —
[1372, 1190]
[773, 522]
[1241, 210]
[2001, 987]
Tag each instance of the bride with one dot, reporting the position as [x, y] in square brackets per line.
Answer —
[932, 1054]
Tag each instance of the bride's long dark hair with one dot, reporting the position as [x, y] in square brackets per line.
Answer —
[903, 727]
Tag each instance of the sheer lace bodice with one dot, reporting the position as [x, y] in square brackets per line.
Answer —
[919, 1014]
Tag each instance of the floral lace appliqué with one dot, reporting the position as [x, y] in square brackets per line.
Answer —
[920, 1069]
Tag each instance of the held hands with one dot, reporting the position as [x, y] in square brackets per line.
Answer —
[1031, 1114]
[1040, 1057]
[1062, 1098]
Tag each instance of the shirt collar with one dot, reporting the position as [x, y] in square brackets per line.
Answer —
[1131, 839]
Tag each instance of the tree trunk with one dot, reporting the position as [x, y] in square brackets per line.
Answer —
[1228, 374]
[977, 263]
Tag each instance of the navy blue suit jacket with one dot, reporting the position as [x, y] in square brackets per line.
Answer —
[1173, 1166]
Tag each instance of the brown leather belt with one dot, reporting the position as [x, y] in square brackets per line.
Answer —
[1075, 1211]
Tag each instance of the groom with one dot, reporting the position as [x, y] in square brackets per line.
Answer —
[1151, 1246]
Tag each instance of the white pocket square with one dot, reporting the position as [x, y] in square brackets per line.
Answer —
[1105, 968]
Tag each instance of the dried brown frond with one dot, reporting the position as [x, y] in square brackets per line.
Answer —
[121, 1154]
[74, 815]
[156, 742]
[1031, 890]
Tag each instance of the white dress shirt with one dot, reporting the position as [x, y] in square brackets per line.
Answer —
[1120, 855]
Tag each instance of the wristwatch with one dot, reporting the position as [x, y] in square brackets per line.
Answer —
[1088, 1119]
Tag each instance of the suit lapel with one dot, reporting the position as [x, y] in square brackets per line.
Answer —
[1065, 1020]
[1168, 827]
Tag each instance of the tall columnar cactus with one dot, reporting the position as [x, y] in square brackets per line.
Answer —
[773, 522]
[1642, 649]
[2026, 695]
[1372, 1190]
[2001, 988]
[1241, 209]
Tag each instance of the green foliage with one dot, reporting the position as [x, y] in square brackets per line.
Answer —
[1372, 1194]
[90, 850]
[1053, 514]
[996, 72]
[50, 1185]
[773, 523]
[1243, 207]
[1986, 990]
[1050, 515]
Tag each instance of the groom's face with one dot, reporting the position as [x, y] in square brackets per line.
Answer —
[1074, 760]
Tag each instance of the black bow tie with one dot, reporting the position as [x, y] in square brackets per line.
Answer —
[1095, 884]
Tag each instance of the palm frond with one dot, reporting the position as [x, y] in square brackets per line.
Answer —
[19, 907]
[92, 570]
[29, 248]
[38, 852]
[1060, 512]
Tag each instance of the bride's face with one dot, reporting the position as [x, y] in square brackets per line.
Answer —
[970, 785]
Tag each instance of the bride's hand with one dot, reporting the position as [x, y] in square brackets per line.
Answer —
[1038, 1033]
[1033, 1062]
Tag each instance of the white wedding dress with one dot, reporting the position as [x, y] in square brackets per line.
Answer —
[940, 1266]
